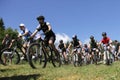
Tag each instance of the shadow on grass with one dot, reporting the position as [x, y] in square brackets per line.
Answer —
[22, 77]
[4, 70]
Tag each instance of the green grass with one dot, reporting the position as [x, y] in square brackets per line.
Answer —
[65, 72]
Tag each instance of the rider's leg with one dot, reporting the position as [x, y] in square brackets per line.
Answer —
[104, 58]
[65, 56]
[51, 44]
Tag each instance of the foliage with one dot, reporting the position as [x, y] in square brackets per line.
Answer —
[13, 33]
[2, 24]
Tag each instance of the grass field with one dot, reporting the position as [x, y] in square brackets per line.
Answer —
[65, 72]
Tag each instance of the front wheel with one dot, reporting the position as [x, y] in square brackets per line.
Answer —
[9, 56]
[77, 60]
[36, 56]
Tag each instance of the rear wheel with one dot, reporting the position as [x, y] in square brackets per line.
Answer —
[56, 61]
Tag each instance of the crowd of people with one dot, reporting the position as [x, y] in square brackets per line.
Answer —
[112, 48]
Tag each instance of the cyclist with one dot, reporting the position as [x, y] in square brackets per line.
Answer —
[48, 32]
[77, 44]
[6, 41]
[93, 47]
[106, 44]
[25, 34]
[5, 44]
[86, 53]
[62, 48]
[117, 49]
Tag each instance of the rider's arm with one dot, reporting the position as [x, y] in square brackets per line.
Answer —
[26, 32]
[49, 28]
[65, 45]
[11, 43]
[69, 46]
[36, 31]
[110, 41]
[80, 43]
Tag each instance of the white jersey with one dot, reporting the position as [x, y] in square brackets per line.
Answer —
[25, 31]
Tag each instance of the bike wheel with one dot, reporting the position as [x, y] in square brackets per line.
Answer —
[56, 61]
[75, 60]
[9, 56]
[36, 56]
[95, 58]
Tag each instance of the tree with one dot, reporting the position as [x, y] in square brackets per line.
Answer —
[2, 24]
[2, 28]
[13, 33]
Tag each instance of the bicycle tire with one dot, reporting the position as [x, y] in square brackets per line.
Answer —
[56, 61]
[75, 60]
[95, 58]
[39, 59]
[13, 55]
[107, 60]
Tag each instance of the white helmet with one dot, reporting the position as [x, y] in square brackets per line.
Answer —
[22, 24]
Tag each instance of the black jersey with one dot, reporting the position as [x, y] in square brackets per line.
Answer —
[93, 44]
[61, 46]
[75, 43]
[45, 28]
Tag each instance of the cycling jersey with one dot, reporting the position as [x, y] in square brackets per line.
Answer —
[49, 35]
[44, 28]
[93, 44]
[62, 47]
[25, 31]
[76, 43]
[105, 40]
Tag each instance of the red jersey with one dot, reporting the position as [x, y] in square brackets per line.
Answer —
[105, 40]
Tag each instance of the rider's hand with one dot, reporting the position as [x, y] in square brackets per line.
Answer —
[29, 38]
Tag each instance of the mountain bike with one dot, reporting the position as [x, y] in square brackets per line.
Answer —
[12, 55]
[95, 55]
[62, 58]
[9, 56]
[38, 54]
[77, 58]
[106, 54]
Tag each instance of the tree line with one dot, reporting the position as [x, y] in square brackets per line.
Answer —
[6, 30]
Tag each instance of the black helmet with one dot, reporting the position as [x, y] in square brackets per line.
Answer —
[115, 40]
[91, 37]
[104, 34]
[61, 41]
[74, 36]
[40, 18]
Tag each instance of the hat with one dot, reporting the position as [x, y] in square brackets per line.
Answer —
[21, 24]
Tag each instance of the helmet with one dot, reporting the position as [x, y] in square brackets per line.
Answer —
[116, 41]
[91, 37]
[40, 18]
[61, 41]
[22, 24]
[74, 36]
[104, 33]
